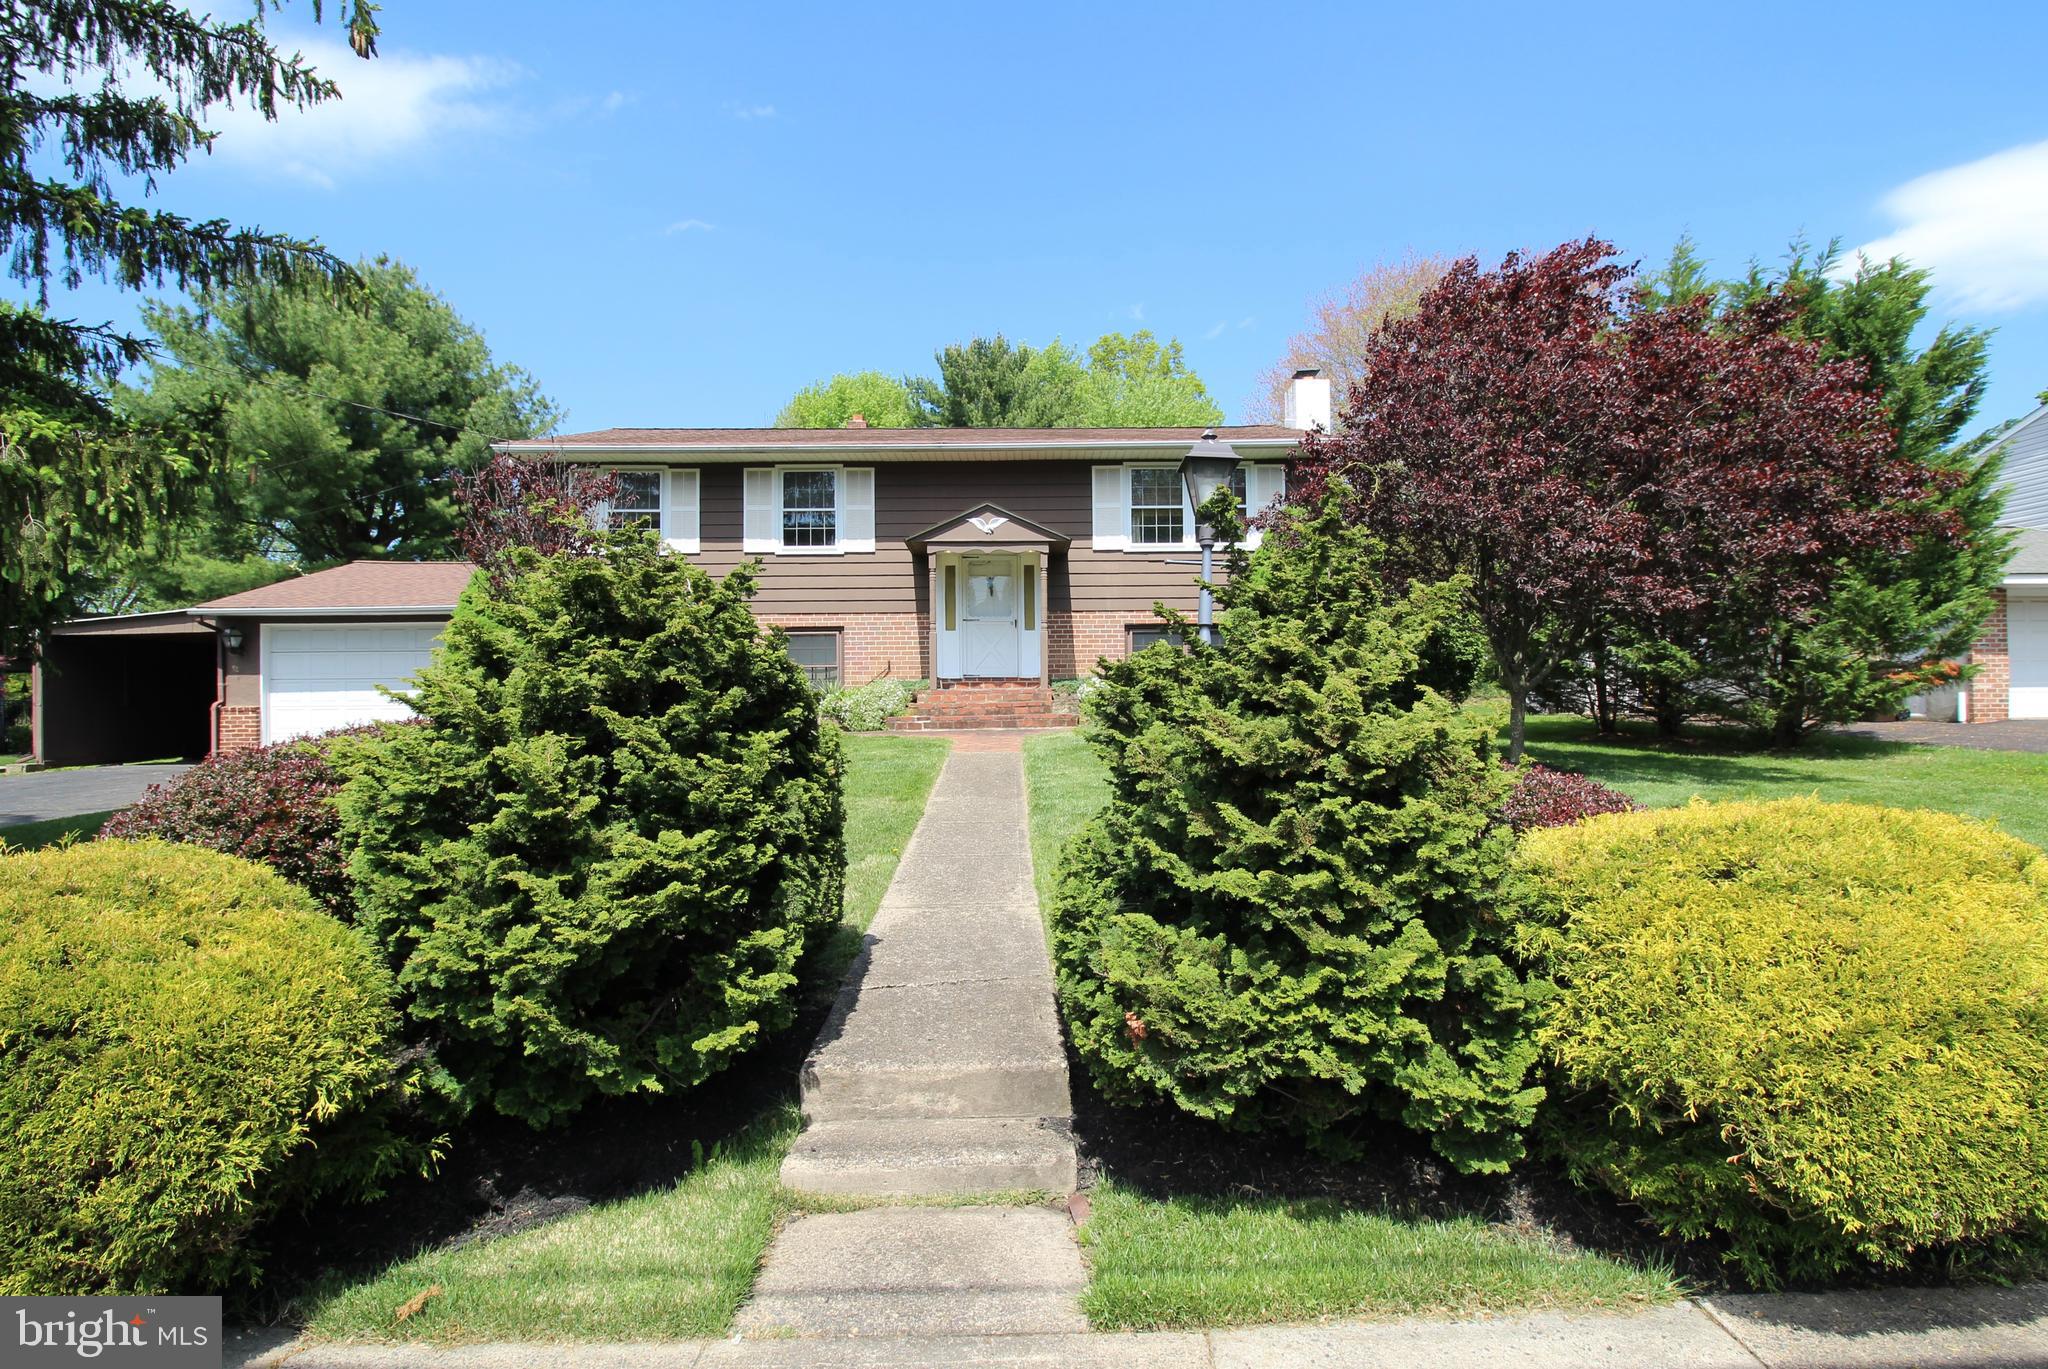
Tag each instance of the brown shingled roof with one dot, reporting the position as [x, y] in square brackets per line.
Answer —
[357, 586]
[730, 438]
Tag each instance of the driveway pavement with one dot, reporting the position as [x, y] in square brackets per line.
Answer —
[2030, 735]
[45, 794]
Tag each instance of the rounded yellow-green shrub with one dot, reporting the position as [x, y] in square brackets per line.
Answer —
[186, 1043]
[1816, 1031]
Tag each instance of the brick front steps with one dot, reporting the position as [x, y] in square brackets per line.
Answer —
[960, 708]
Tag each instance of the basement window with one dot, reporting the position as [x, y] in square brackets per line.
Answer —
[1142, 637]
[818, 654]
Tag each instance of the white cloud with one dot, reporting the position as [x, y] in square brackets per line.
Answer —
[394, 105]
[1138, 312]
[740, 111]
[1978, 227]
[1246, 322]
[1216, 331]
[686, 226]
[614, 102]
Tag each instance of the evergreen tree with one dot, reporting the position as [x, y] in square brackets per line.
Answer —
[342, 421]
[1283, 918]
[104, 88]
[1129, 381]
[596, 865]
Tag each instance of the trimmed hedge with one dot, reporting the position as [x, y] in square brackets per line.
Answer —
[186, 1045]
[1283, 918]
[596, 866]
[1818, 1031]
[1543, 797]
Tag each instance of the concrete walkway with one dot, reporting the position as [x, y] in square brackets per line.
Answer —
[44, 794]
[1990, 1328]
[939, 1073]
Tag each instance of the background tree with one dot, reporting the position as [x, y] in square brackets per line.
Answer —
[1124, 381]
[342, 423]
[514, 502]
[1581, 457]
[883, 400]
[114, 86]
[1342, 325]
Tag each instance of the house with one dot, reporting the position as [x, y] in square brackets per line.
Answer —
[993, 557]
[2011, 653]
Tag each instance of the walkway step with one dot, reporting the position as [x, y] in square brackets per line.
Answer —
[920, 1272]
[893, 1157]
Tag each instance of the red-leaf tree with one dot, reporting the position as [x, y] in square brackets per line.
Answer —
[1581, 457]
[514, 501]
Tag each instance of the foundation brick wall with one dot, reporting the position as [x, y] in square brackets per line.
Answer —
[1080, 639]
[1991, 687]
[872, 646]
[241, 728]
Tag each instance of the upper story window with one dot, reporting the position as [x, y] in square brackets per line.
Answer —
[1144, 507]
[1157, 498]
[810, 509]
[637, 502]
[661, 501]
[807, 510]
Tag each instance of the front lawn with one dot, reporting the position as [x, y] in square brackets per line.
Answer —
[2009, 786]
[1065, 782]
[1175, 1263]
[28, 836]
[672, 1263]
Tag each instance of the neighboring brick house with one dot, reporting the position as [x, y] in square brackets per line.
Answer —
[2011, 654]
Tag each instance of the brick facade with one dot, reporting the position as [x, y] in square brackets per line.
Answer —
[1991, 687]
[1079, 639]
[872, 646]
[237, 727]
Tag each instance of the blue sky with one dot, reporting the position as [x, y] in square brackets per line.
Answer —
[679, 214]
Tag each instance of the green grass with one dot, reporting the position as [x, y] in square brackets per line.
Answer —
[2011, 787]
[1065, 783]
[668, 1265]
[888, 780]
[28, 836]
[1196, 1262]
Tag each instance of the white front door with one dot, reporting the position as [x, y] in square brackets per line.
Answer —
[2026, 641]
[988, 617]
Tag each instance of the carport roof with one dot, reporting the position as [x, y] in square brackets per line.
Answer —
[357, 588]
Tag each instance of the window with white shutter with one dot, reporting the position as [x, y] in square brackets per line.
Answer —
[759, 530]
[1112, 530]
[857, 508]
[679, 525]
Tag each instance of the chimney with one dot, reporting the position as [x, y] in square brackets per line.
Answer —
[1307, 404]
[857, 421]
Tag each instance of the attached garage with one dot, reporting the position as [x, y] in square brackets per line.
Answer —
[2026, 636]
[317, 652]
[317, 677]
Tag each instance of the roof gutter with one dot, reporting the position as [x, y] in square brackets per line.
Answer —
[376, 611]
[606, 448]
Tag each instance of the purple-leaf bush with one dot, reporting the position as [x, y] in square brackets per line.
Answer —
[273, 804]
[1543, 797]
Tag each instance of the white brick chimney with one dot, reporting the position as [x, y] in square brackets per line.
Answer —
[1307, 404]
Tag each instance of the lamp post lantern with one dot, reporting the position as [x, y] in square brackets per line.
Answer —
[1206, 468]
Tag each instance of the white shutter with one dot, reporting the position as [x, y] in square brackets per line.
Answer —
[1265, 485]
[679, 517]
[758, 524]
[857, 508]
[1112, 509]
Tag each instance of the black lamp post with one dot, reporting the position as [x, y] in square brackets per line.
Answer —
[1207, 468]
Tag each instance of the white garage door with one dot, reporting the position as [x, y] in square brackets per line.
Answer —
[316, 679]
[2026, 639]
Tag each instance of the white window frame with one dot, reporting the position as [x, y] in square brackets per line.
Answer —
[1187, 517]
[660, 474]
[1124, 539]
[781, 509]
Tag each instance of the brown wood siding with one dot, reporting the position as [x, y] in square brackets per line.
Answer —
[911, 497]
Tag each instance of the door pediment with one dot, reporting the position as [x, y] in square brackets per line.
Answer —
[987, 527]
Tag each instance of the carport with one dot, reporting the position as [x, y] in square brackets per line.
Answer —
[136, 687]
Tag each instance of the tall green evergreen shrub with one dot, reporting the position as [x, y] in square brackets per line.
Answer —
[596, 866]
[1284, 916]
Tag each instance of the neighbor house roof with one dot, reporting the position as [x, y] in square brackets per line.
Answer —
[2029, 552]
[356, 589]
[907, 443]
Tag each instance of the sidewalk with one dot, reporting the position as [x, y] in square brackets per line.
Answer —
[1988, 1328]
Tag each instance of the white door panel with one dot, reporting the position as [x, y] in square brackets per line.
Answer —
[2026, 642]
[988, 616]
